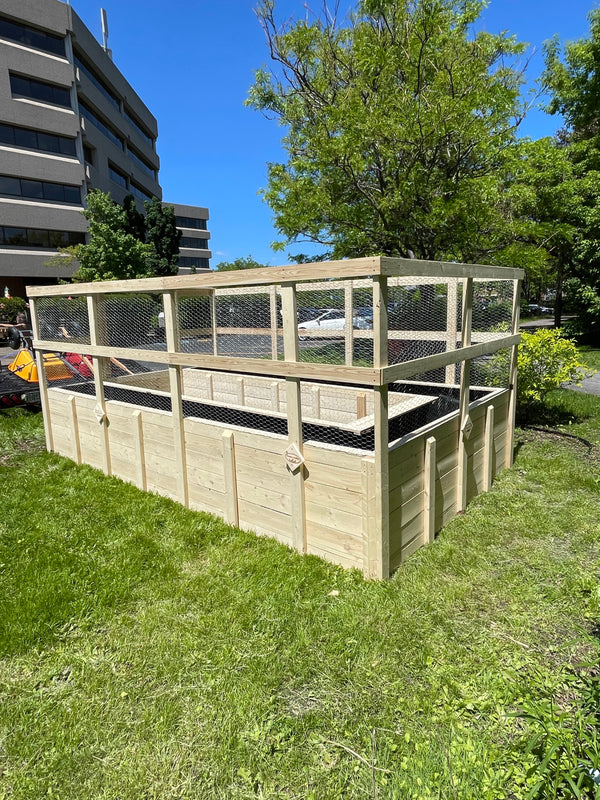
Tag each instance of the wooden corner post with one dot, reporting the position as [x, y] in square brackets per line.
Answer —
[464, 422]
[42, 379]
[98, 336]
[294, 413]
[514, 356]
[379, 554]
[176, 389]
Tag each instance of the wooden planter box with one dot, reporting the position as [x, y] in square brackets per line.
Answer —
[358, 464]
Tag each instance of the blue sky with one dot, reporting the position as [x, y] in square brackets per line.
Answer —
[192, 61]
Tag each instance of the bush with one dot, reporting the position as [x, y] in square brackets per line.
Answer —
[10, 307]
[546, 360]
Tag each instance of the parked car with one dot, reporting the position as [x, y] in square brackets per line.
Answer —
[334, 320]
[536, 309]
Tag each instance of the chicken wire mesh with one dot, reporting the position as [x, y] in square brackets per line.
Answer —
[247, 323]
[492, 307]
[62, 318]
[335, 322]
[492, 370]
[130, 320]
[423, 319]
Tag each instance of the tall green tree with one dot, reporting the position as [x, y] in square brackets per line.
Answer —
[397, 123]
[163, 237]
[112, 252]
[135, 222]
[239, 263]
[573, 79]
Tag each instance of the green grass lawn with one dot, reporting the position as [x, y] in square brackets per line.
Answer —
[152, 652]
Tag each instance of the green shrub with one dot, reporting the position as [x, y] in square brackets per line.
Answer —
[546, 360]
[10, 307]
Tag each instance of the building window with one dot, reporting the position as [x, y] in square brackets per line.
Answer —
[88, 114]
[117, 176]
[190, 222]
[98, 83]
[39, 90]
[189, 241]
[145, 136]
[30, 37]
[143, 165]
[35, 237]
[138, 192]
[39, 190]
[188, 261]
[36, 140]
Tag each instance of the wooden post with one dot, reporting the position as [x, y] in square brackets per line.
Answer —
[75, 430]
[429, 470]
[231, 493]
[176, 390]
[370, 528]
[379, 561]
[140, 453]
[465, 386]
[488, 450]
[451, 325]
[42, 379]
[96, 314]
[348, 324]
[294, 412]
[213, 319]
[274, 322]
[361, 405]
[512, 398]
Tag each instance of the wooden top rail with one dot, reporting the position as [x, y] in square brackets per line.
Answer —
[295, 273]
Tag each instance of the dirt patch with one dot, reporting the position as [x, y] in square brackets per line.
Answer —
[19, 447]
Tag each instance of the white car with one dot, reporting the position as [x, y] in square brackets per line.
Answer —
[334, 320]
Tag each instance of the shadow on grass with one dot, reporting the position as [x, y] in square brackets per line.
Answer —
[561, 407]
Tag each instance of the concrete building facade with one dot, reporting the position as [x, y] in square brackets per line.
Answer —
[69, 122]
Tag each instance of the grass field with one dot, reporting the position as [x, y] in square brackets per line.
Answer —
[151, 652]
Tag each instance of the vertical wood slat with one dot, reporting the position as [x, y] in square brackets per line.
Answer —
[451, 325]
[140, 453]
[489, 450]
[176, 390]
[465, 385]
[42, 379]
[274, 322]
[348, 324]
[96, 310]
[361, 405]
[294, 413]
[370, 529]
[213, 319]
[379, 564]
[75, 429]
[512, 398]
[429, 477]
[231, 493]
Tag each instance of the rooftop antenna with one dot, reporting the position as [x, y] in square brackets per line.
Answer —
[104, 20]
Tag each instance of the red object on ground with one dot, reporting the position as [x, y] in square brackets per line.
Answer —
[75, 360]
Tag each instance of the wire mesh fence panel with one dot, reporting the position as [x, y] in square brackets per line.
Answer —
[63, 318]
[337, 415]
[130, 320]
[492, 370]
[418, 320]
[245, 323]
[136, 382]
[195, 324]
[331, 329]
[492, 306]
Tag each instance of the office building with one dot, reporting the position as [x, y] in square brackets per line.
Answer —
[69, 122]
